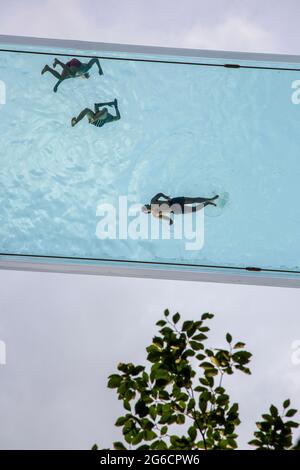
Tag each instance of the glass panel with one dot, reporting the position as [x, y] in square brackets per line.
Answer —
[186, 130]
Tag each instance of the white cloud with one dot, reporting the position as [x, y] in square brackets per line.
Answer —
[233, 34]
[50, 18]
[86, 20]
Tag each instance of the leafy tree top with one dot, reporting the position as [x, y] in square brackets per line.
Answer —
[183, 389]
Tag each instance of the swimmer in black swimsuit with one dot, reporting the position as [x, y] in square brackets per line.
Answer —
[99, 117]
[73, 68]
[176, 205]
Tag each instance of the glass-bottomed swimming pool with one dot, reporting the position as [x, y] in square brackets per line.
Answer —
[188, 127]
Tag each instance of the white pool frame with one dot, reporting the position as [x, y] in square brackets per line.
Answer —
[148, 270]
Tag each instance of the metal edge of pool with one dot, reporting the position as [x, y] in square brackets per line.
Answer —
[152, 272]
[140, 49]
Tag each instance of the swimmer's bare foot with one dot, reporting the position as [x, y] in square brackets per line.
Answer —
[45, 69]
[74, 121]
[55, 63]
[115, 102]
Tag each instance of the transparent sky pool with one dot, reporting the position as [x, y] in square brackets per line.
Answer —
[186, 129]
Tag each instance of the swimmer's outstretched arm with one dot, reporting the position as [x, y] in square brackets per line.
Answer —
[100, 105]
[156, 198]
[92, 62]
[118, 115]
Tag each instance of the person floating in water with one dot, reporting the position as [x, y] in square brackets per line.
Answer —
[99, 117]
[161, 205]
[73, 68]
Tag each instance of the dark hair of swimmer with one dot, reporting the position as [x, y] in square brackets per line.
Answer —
[146, 208]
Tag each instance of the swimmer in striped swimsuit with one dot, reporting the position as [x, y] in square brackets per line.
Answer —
[73, 68]
[98, 117]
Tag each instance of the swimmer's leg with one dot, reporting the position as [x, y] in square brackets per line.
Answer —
[198, 200]
[203, 204]
[209, 202]
[59, 62]
[86, 112]
[52, 71]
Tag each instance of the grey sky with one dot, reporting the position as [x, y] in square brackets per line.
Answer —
[65, 334]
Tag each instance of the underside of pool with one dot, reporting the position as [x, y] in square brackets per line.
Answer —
[192, 123]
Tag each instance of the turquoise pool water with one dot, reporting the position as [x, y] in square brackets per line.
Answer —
[185, 129]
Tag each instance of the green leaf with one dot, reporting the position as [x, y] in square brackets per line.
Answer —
[292, 424]
[188, 353]
[161, 323]
[196, 346]
[239, 345]
[286, 403]
[273, 411]
[191, 330]
[149, 435]
[241, 357]
[143, 447]
[141, 409]
[114, 381]
[138, 438]
[192, 432]
[215, 361]
[121, 421]
[291, 412]
[123, 367]
[161, 374]
[203, 329]
[234, 409]
[180, 419]
[164, 430]
[153, 412]
[166, 313]
[186, 325]
[205, 365]
[191, 404]
[228, 338]
[126, 405]
[199, 337]
[211, 372]
[200, 357]
[204, 381]
[255, 442]
[158, 342]
[95, 447]
[119, 446]
[207, 316]
[159, 445]
[176, 318]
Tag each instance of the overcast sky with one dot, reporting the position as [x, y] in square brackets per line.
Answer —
[65, 334]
